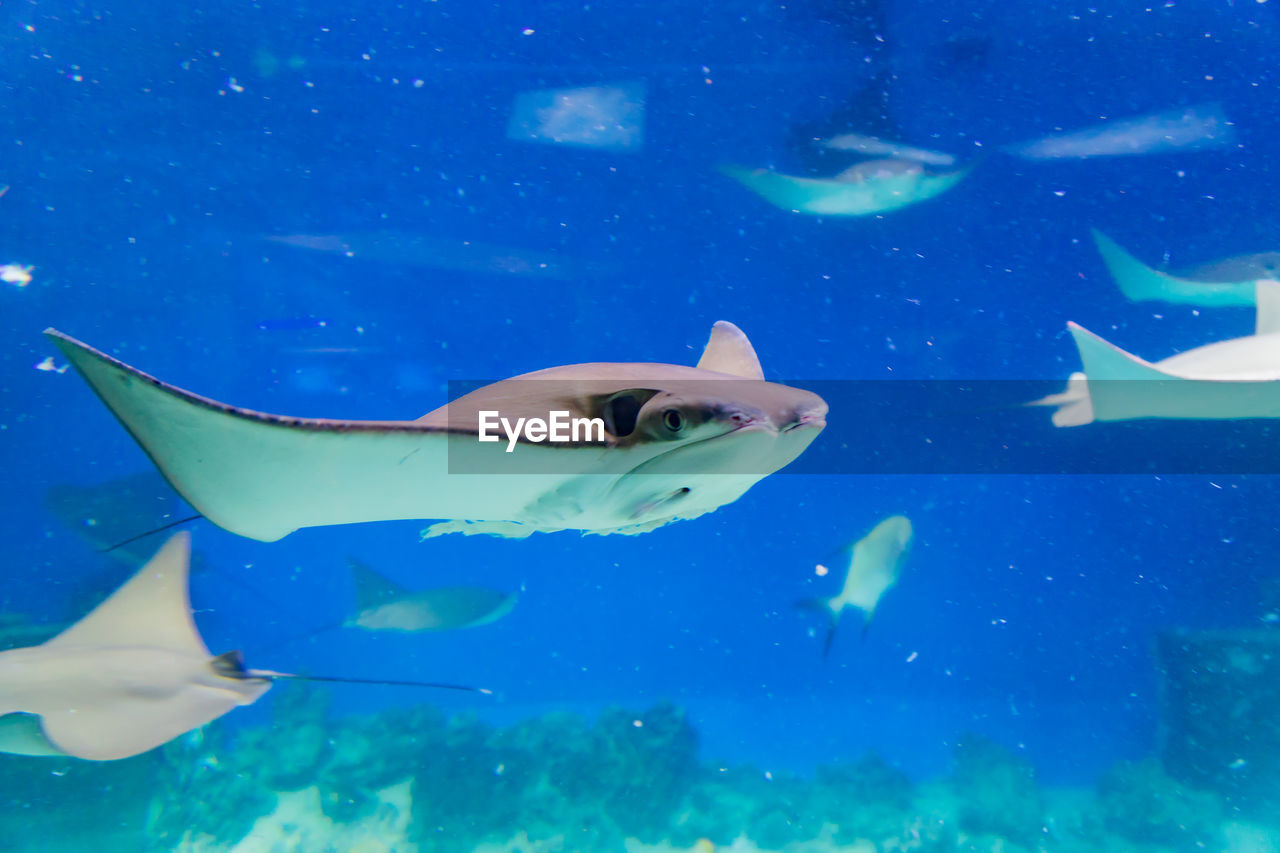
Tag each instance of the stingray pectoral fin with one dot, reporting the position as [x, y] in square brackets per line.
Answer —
[1124, 387]
[263, 476]
[21, 734]
[125, 725]
[1139, 282]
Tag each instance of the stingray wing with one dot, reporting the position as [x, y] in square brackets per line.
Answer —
[1139, 283]
[1122, 387]
[132, 718]
[153, 608]
[263, 476]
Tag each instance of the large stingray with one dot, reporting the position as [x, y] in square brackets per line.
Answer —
[871, 565]
[1232, 281]
[128, 677]
[1237, 378]
[873, 186]
[678, 442]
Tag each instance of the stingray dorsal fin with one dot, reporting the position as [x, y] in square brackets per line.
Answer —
[729, 351]
[1267, 296]
[151, 609]
[373, 588]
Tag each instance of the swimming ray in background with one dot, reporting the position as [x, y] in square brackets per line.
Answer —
[422, 250]
[128, 677]
[610, 118]
[106, 514]
[1194, 128]
[1238, 378]
[873, 565]
[1228, 282]
[870, 187]
[670, 442]
[384, 605]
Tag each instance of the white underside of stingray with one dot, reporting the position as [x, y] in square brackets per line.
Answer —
[128, 677]
[1238, 378]
[263, 476]
[870, 193]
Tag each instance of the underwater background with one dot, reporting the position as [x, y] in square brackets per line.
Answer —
[323, 210]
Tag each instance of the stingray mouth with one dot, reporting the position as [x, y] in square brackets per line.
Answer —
[809, 420]
[665, 501]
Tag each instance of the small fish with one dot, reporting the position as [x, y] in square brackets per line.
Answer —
[48, 366]
[16, 274]
[874, 562]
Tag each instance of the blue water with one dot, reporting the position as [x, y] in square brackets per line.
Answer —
[149, 150]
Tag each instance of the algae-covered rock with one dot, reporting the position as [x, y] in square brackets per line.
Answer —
[556, 779]
[648, 763]
[868, 798]
[1145, 806]
[996, 792]
[206, 787]
[370, 753]
[108, 802]
[292, 751]
[1219, 691]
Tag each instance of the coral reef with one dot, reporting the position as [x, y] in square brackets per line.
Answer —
[1142, 804]
[997, 792]
[415, 781]
[1218, 695]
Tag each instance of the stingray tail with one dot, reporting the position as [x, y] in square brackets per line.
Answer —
[231, 665]
[823, 606]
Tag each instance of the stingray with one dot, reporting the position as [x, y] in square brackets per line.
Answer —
[133, 674]
[872, 565]
[408, 249]
[1194, 128]
[384, 605]
[128, 677]
[677, 442]
[1228, 282]
[1237, 378]
[873, 186]
[108, 515]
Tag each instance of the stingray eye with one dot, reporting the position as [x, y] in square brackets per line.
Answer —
[673, 420]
